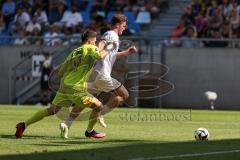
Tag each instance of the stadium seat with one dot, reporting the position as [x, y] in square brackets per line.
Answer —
[86, 18]
[143, 17]
[110, 15]
[89, 6]
[68, 4]
[101, 13]
[4, 39]
[134, 28]
[130, 16]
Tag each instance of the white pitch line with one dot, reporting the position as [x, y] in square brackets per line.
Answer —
[187, 155]
[218, 123]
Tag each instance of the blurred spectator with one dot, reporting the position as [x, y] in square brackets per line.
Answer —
[8, 10]
[226, 8]
[46, 68]
[33, 24]
[216, 20]
[72, 19]
[40, 4]
[55, 11]
[200, 24]
[234, 20]
[197, 7]
[2, 23]
[226, 30]
[189, 40]
[35, 38]
[236, 35]
[21, 38]
[81, 4]
[26, 5]
[51, 38]
[99, 5]
[66, 38]
[150, 6]
[66, 14]
[216, 34]
[188, 15]
[41, 16]
[211, 8]
[132, 6]
[21, 18]
[178, 30]
[120, 4]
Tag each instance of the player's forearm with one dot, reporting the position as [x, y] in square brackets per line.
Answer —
[122, 54]
[103, 54]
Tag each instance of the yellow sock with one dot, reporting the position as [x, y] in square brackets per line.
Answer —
[37, 117]
[92, 120]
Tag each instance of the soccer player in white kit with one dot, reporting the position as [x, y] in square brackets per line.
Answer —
[101, 80]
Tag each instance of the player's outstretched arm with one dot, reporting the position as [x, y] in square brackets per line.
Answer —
[130, 50]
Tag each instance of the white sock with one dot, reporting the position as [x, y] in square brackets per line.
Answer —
[69, 121]
[90, 130]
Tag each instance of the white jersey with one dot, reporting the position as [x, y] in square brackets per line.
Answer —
[103, 80]
[105, 65]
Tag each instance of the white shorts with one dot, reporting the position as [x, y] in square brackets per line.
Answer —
[97, 84]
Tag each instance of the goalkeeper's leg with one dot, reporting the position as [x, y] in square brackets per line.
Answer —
[20, 127]
[96, 109]
[58, 102]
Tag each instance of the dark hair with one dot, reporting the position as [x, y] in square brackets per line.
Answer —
[88, 34]
[46, 53]
[118, 18]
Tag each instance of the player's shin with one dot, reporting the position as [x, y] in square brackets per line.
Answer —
[73, 115]
[95, 114]
[37, 117]
[112, 103]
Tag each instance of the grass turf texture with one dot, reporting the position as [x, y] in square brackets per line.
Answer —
[131, 133]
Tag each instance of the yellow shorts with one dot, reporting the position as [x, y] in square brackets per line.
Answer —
[66, 100]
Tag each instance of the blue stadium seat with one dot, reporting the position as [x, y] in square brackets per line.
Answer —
[13, 37]
[134, 27]
[89, 6]
[68, 3]
[143, 17]
[130, 16]
[110, 15]
[86, 18]
[4, 39]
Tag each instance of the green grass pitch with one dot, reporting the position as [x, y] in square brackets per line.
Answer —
[132, 134]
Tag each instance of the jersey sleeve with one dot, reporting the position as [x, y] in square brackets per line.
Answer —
[95, 53]
[109, 37]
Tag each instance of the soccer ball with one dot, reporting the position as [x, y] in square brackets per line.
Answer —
[201, 134]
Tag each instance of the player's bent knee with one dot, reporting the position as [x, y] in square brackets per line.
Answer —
[97, 108]
[118, 100]
[126, 95]
[97, 105]
[122, 91]
[53, 110]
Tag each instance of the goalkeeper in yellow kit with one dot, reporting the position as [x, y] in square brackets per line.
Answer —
[73, 75]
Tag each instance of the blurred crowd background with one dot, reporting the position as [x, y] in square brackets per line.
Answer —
[215, 19]
[63, 18]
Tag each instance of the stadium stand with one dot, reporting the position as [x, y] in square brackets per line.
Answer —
[69, 17]
[215, 19]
